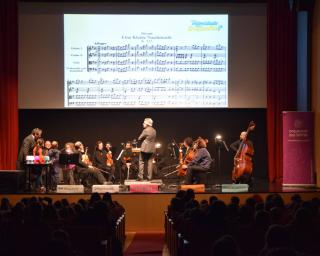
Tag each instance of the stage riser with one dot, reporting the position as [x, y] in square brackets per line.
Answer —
[145, 212]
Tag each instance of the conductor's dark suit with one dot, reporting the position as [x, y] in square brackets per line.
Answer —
[148, 148]
[26, 149]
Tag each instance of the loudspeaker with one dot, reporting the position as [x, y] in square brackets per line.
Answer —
[12, 181]
[199, 188]
[234, 188]
[72, 189]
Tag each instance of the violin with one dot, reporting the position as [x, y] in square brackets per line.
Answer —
[242, 162]
[109, 161]
[85, 157]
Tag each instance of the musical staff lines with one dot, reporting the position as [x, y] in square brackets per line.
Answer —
[148, 92]
[156, 58]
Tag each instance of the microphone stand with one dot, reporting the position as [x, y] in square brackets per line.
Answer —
[219, 152]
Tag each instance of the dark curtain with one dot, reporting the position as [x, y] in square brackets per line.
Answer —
[8, 84]
[281, 76]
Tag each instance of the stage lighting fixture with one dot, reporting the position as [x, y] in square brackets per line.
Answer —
[218, 138]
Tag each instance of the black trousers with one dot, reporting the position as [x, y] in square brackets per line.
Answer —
[193, 174]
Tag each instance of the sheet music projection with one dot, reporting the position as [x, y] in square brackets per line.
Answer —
[146, 61]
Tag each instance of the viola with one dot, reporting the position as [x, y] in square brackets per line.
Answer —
[242, 162]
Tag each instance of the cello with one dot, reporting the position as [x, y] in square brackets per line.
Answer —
[187, 159]
[242, 161]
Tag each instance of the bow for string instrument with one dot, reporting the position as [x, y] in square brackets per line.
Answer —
[242, 161]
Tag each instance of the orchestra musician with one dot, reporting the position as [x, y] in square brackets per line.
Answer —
[148, 148]
[186, 154]
[129, 160]
[201, 163]
[110, 163]
[38, 171]
[99, 159]
[56, 171]
[85, 168]
[47, 147]
[235, 146]
[187, 143]
[27, 146]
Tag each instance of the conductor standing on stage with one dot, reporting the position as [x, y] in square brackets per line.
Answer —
[148, 137]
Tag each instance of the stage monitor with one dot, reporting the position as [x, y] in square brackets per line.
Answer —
[145, 61]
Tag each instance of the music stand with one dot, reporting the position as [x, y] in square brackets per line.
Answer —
[65, 158]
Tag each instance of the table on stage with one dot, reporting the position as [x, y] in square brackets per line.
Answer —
[45, 166]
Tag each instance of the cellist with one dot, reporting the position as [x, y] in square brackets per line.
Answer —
[246, 178]
[185, 156]
[201, 163]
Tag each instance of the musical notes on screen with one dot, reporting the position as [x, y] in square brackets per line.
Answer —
[156, 58]
[118, 86]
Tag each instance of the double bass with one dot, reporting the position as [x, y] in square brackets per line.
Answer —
[242, 162]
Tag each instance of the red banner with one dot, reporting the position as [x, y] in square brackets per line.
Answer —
[298, 146]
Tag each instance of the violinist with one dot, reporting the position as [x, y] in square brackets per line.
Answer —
[85, 168]
[99, 159]
[109, 162]
[201, 163]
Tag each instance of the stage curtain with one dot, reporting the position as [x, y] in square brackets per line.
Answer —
[281, 77]
[8, 84]
[315, 82]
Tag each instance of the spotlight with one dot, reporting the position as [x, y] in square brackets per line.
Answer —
[158, 145]
[218, 138]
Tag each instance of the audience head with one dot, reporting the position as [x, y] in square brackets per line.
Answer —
[95, 197]
[181, 194]
[235, 200]
[277, 236]
[212, 199]
[107, 197]
[189, 195]
[225, 246]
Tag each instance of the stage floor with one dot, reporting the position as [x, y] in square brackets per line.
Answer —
[172, 185]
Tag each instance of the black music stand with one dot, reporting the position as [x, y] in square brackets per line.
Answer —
[71, 158]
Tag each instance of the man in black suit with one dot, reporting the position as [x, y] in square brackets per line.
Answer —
[27, 146]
